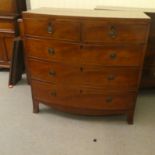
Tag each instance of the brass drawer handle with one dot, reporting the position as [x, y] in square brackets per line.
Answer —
[111, 77]
[113, 32]
[113, 56]
[51, 51]
[52, 73]
[109, 99]
[50, 28]
[53, 93]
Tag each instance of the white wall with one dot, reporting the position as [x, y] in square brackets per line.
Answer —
[91, 3]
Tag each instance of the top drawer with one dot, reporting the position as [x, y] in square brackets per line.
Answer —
[57, 29]
[114, 32]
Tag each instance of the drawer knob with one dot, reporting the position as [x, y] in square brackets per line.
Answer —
[53, 93]
[50, 28]
[111, 77]
[113, 32]
[51, 51]
[52, 73]
[113, 56]
[109, 99]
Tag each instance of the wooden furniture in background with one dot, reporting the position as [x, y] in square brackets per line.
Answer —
[10, 11]
[84, 61]
[148, 78]
[17, 64]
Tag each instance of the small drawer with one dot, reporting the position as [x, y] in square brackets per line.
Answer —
[56, 51]
[88, 75]
[83, 98]
[57, 29]
[6, 25]
[114, 32]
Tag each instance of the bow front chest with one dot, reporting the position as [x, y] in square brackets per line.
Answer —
[85, 61]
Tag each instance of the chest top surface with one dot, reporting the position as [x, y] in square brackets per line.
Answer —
[87, 13]
[117, 8]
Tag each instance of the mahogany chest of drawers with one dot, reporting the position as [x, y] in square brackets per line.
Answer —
[84, 61]
[148, 76]
[10, 11]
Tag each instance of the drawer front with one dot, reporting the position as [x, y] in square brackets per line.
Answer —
[106, 32]
[6, 26]
[88, 98]
[75, 53]
[57, 29]
[95, 76]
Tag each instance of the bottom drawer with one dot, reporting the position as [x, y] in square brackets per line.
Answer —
[84, 98]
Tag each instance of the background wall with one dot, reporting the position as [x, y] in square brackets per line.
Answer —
[91, 3]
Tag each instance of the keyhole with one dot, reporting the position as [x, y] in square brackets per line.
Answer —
[81, 91]
[81, 69]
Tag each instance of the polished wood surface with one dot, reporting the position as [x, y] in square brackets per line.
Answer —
[6, 46]
[66, 30]
[12, 6]
[99, 76]
[120, 32]
[81, 98]
[107, 55]
[148, 78]
[88, 67]
[9, 13]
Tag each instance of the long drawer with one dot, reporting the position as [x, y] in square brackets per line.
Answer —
[86, 98]
[95, 76]
[108, 55]
[57, 29]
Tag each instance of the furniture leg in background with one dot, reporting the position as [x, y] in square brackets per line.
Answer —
[17, 64]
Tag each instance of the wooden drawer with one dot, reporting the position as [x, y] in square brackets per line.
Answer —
[87, 98]
[111, 32]
[57, 29]
[125, 55]
[95, 76]
[6, 25]
[6, 48]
